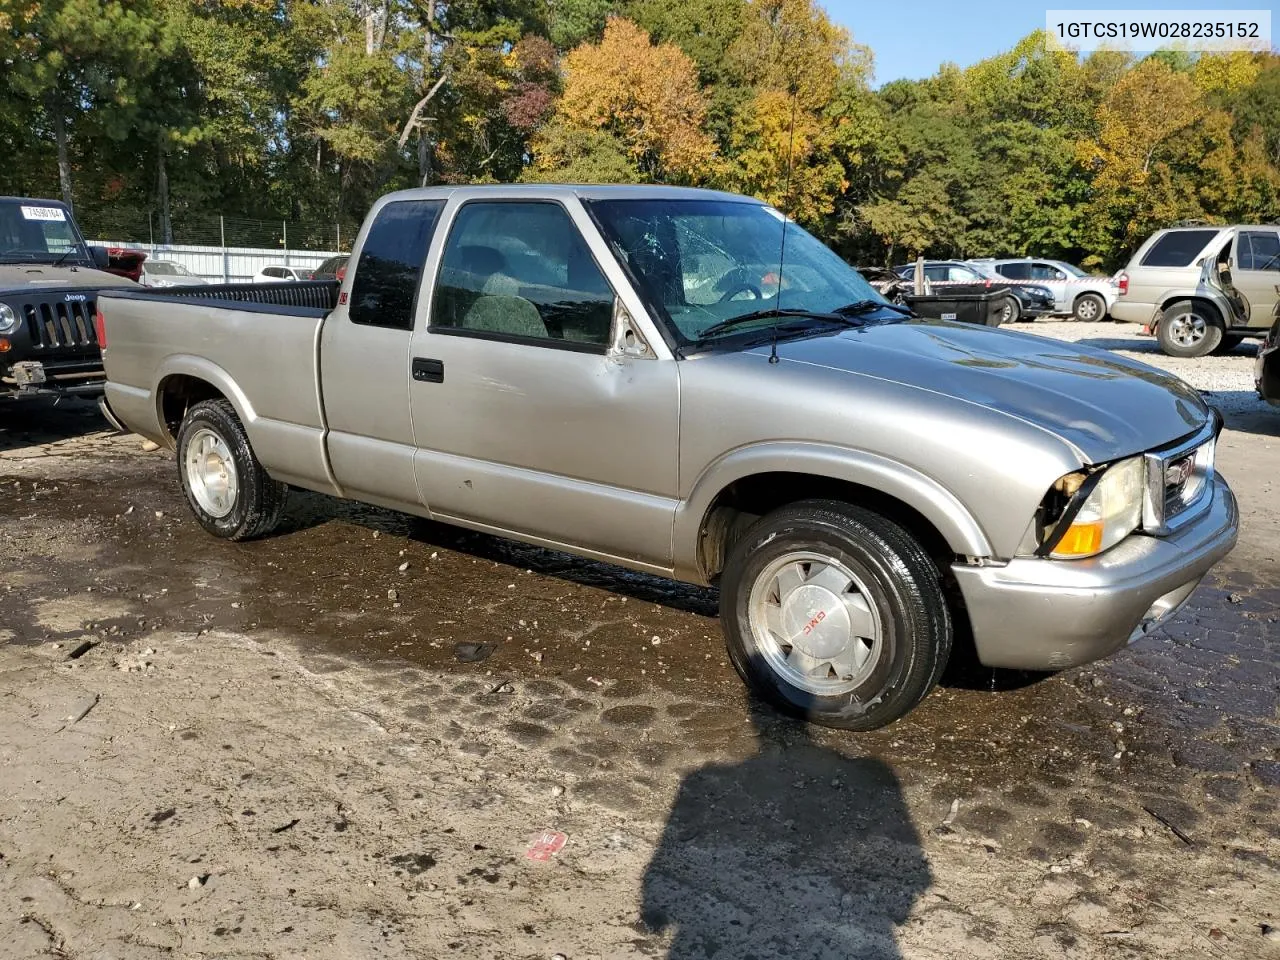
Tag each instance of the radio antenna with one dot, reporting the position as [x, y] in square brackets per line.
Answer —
[786, 219]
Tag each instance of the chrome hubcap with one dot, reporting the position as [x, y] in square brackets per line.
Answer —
[211, 473]
[815, 624]
[1187, 330]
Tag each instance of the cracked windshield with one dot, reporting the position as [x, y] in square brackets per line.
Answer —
[705, 262]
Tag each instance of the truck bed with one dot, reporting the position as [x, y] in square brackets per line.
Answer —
[225, 335]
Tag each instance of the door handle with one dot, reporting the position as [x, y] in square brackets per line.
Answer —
[428, 371]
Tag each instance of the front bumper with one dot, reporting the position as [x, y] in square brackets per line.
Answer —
[1043, 614]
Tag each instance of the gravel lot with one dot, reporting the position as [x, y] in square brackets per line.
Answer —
[1228, 378]
[274, 750]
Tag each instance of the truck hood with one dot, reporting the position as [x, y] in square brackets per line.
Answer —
[31, 277]
[1103, 405]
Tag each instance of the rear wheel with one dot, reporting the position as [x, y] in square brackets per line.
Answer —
[835, 613]
[1189, 329]
[227, 488]
[1089, 307]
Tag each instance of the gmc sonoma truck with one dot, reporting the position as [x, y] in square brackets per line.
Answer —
[49, 283]
[686, 383]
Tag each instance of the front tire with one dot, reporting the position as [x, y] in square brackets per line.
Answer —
[1189, 329]
[1088, 308]
[836, 614]
[228, 490]
[1010, 312]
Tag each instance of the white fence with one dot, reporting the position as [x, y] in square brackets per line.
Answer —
[224, 264]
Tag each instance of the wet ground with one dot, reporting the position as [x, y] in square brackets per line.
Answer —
[1129, 808]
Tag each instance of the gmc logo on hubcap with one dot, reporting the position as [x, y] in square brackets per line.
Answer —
[808, 627]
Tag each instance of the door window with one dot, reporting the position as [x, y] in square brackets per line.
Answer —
[963, 275]
[1259, 250]
[1046, 271]
[384, 292]
[521, 271]
[1015, 271]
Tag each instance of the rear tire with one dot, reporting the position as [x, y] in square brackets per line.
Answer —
[1189, 329]
[228, 490]
[1089, 308]
[836, 614]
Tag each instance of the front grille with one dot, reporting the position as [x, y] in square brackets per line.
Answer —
[1179, 482]
[60, 324]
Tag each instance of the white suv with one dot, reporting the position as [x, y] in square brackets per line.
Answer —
[1075, 292]
[1202, 288]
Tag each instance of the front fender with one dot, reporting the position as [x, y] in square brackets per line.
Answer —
[922, 493]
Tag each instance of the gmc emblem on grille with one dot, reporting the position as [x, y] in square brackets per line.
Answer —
[1177, 473]
[75, 298]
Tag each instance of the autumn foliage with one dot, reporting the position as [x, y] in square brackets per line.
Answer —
[149, 112]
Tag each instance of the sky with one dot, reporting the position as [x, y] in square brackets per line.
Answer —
[912, 38]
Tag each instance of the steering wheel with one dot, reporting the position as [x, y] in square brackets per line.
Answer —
[750, 288]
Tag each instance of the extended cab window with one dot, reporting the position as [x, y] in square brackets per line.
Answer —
[385, 288]
[521, 271]
[1177, 248]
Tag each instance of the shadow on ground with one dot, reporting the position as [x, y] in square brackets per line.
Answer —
[796, 851]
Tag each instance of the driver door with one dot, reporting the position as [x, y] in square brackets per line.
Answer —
[534, 413]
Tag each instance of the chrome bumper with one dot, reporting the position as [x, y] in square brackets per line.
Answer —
[1043, 614]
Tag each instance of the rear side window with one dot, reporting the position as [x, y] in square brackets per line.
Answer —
[385, 289]
[1014, 271]
[1177, 248]
[1259, 250]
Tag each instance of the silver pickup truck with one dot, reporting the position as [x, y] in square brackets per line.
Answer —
[685, 383]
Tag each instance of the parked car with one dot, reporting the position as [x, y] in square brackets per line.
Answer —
[1024, 302]
[334, 268]
[1163, 287]
[599, 369]
[168, 273]
[281, 275]
[49, 284]
[1266, 369]
[1075, 293]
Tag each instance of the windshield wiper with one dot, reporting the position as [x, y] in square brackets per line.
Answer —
[70, 250]
[859, 307]
[724, 326]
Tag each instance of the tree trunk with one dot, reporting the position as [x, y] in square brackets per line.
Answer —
[162, 189]
[424, 158]
[64, 160]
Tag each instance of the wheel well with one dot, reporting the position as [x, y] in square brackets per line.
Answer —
[1089, 293]
[178, 393]
[1200, 301]
[744, 501]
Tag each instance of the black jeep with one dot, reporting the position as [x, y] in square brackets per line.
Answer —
[49, 283]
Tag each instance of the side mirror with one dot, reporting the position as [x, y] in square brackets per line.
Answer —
[101, 259]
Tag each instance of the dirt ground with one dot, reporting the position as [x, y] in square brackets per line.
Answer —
[276, 749]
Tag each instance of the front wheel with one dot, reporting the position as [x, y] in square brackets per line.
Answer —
[1189, 329]
[835, 613]
[1089, 307]
[228, 490]
[1010, 312]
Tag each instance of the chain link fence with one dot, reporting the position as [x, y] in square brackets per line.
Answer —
[144, 227]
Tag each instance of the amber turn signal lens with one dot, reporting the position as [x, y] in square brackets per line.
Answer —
[1080, 540]
[5, 345]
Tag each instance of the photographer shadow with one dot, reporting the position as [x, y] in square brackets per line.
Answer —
[795, 852]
